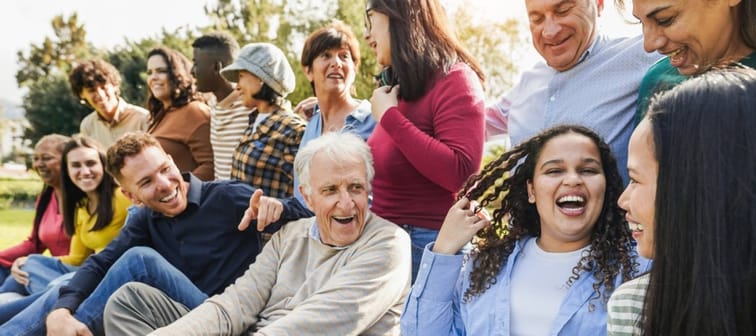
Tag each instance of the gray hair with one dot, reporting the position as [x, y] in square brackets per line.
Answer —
[339, 147]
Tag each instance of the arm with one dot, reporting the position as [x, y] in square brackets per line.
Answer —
[199, 144]
[497, 119]
[433, 306]
[238, 307]
[272, 213]
[32, 244]
[458, 127]
[78, 251]
[94, 268]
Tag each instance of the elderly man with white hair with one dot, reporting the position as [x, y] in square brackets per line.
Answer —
[345, 271]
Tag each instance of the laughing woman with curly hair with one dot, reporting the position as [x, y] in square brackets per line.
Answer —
[548, 260]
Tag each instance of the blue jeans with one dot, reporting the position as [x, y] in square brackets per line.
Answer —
[420, 237]
[10, 309]
[141, 264]
[10, 284]
[43, 270]
[4, 273]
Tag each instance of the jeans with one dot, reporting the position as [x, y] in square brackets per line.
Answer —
[4, 273]
[420, 237]
[10, 285]
[43, 270]
[10, 309]
[141, 264]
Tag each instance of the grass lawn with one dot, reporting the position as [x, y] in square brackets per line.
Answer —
[15, 226]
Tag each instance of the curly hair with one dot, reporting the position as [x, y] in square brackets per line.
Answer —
[181, 80]
[90, 74]
[611, 252]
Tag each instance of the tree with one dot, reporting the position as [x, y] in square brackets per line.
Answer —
[494, 44]
[51, 108]
[50, 105]
[54, 54]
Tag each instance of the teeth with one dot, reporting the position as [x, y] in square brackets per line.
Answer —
[635, 227]
[571, 198]
[169, 197]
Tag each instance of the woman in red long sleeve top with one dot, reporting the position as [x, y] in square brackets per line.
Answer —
[430, 113]
[47, 232]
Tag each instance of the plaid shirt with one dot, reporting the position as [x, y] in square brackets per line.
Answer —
[265, 158]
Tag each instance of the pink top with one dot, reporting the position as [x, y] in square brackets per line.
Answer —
[50, 234]
[425, 150]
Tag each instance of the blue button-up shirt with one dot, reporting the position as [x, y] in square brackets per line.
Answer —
[434, 306]
[599, 92]
[359, 122]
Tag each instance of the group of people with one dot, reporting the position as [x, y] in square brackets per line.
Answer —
[373, 217]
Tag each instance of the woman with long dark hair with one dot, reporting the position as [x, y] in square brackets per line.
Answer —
[178, 117]
[430, 115]
[546, 262]
[94, 211]
[691, 205]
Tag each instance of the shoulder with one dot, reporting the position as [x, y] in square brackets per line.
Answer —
[90, 118]
[198, 109]
[220, 190]
[458, 81]
[138, 110]
[631, 292]
[380, 229]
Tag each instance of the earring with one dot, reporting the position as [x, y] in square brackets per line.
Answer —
[531, 198]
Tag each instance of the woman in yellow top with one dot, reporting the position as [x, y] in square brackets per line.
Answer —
[90, 221]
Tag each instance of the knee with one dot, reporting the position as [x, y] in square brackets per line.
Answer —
[140, 256]
[126, 296]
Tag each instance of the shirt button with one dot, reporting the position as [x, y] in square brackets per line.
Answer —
[552, 98]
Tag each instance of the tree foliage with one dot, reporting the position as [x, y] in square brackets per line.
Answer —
[51, 107]
[54, 54]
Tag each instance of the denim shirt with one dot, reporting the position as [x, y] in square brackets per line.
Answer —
[434, 307]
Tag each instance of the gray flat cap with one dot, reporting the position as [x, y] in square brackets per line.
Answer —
[265, 61]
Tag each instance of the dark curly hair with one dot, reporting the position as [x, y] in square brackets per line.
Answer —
[611, 252]
[90, 74]
[182, 84]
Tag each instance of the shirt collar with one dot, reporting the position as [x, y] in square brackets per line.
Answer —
[194, 194]
[594, 47]
[360, 113]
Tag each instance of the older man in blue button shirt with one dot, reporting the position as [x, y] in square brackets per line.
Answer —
[587, 78]
[184, 241]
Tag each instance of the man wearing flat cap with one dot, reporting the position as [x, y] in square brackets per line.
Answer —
[265, 156]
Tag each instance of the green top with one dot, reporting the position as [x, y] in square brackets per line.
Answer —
[662, 76]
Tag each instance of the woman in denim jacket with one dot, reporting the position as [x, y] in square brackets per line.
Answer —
[548, 260]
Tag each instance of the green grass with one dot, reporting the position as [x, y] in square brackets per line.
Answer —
[15, 226]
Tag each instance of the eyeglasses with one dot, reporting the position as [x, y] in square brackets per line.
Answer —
[368, 23]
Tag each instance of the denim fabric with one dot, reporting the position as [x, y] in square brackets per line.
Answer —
[419, 237]
[4, 273]
[140, 264]
[10, 285]
[42, 270]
